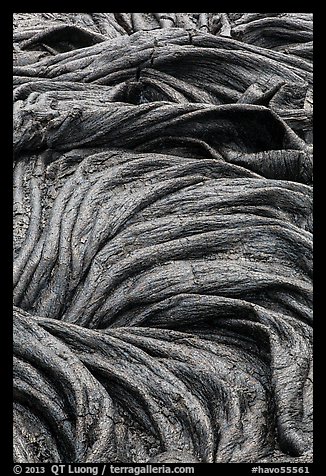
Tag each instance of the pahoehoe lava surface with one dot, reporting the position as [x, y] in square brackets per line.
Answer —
[162, 237]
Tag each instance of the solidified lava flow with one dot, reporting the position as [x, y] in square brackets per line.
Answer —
[162, 237]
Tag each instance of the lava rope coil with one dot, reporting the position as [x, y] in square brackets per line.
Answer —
[162, 237]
